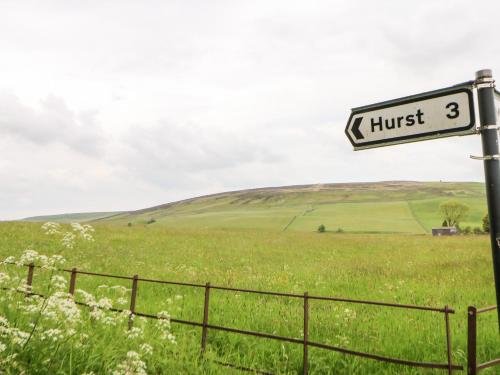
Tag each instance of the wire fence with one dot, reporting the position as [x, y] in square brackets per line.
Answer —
[305, 342]
[473, 367]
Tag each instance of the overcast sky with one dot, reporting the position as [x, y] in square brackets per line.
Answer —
[120, 105]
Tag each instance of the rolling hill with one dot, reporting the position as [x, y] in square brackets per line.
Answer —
[381, 207]
[68, 218]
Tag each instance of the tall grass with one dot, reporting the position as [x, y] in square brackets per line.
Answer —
[409, 269]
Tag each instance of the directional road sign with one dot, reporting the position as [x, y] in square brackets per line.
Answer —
[434, 114]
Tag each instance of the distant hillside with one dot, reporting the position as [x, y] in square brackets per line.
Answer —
[392, 206]
[74, 217]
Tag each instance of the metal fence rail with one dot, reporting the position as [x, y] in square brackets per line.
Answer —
[472, 366]
[205, 326]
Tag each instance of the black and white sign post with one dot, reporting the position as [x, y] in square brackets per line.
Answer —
[436, 114]
[489, 137]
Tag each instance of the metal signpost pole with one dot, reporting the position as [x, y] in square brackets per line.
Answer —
[489, 137]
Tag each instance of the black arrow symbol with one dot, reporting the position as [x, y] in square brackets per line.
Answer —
[355, 128]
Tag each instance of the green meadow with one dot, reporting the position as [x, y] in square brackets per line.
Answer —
[393, 267]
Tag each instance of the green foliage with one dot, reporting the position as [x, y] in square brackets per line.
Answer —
[151, 221]
[477, 230]
[340, 230]
[467, 230]
[486, 223]
[129, 224]
[321, 228]
[453, 212]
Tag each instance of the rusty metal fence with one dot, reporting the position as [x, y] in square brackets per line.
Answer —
[472, 366]
[205, 326]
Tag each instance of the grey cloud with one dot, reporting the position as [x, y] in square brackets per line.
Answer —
[53, 123]
[176, 152]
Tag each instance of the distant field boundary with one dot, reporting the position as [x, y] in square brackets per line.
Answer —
[289, 223]
[304, 341]
[415, 217]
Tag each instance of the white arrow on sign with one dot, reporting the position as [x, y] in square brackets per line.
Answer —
[435, 114]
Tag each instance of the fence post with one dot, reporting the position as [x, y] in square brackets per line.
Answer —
[133, 297]
[205, 318]
[29, 280]
[471, 341]
[448, 339]
[306, 333]
[72, 282]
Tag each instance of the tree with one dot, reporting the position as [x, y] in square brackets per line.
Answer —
[321, 228]
[453, 212]
[486, 223]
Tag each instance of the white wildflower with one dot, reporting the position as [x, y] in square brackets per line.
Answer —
[68, 240]
[4, 322]
[105, 303]
[53, 262]
[24, 288]
[70, 332]
[17, 336]
[42, 260]
[163, 323]
[33, 305]
[9, 362]
[132, 365]
[87, 297]
[109, 320]
[164, 317]
[27, 257]
[60, 306]
[146, 349]
[170, 338]
[134, 332]
[9, 259]
[84, 231]
[58, 282]
[97, 314]
[52, 334]
[125, 315]
[51, 228]
[4, 278]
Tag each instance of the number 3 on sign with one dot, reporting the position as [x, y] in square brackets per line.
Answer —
[453, 107]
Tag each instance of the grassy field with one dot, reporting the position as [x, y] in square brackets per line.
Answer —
[384, 207]
[402, 268]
